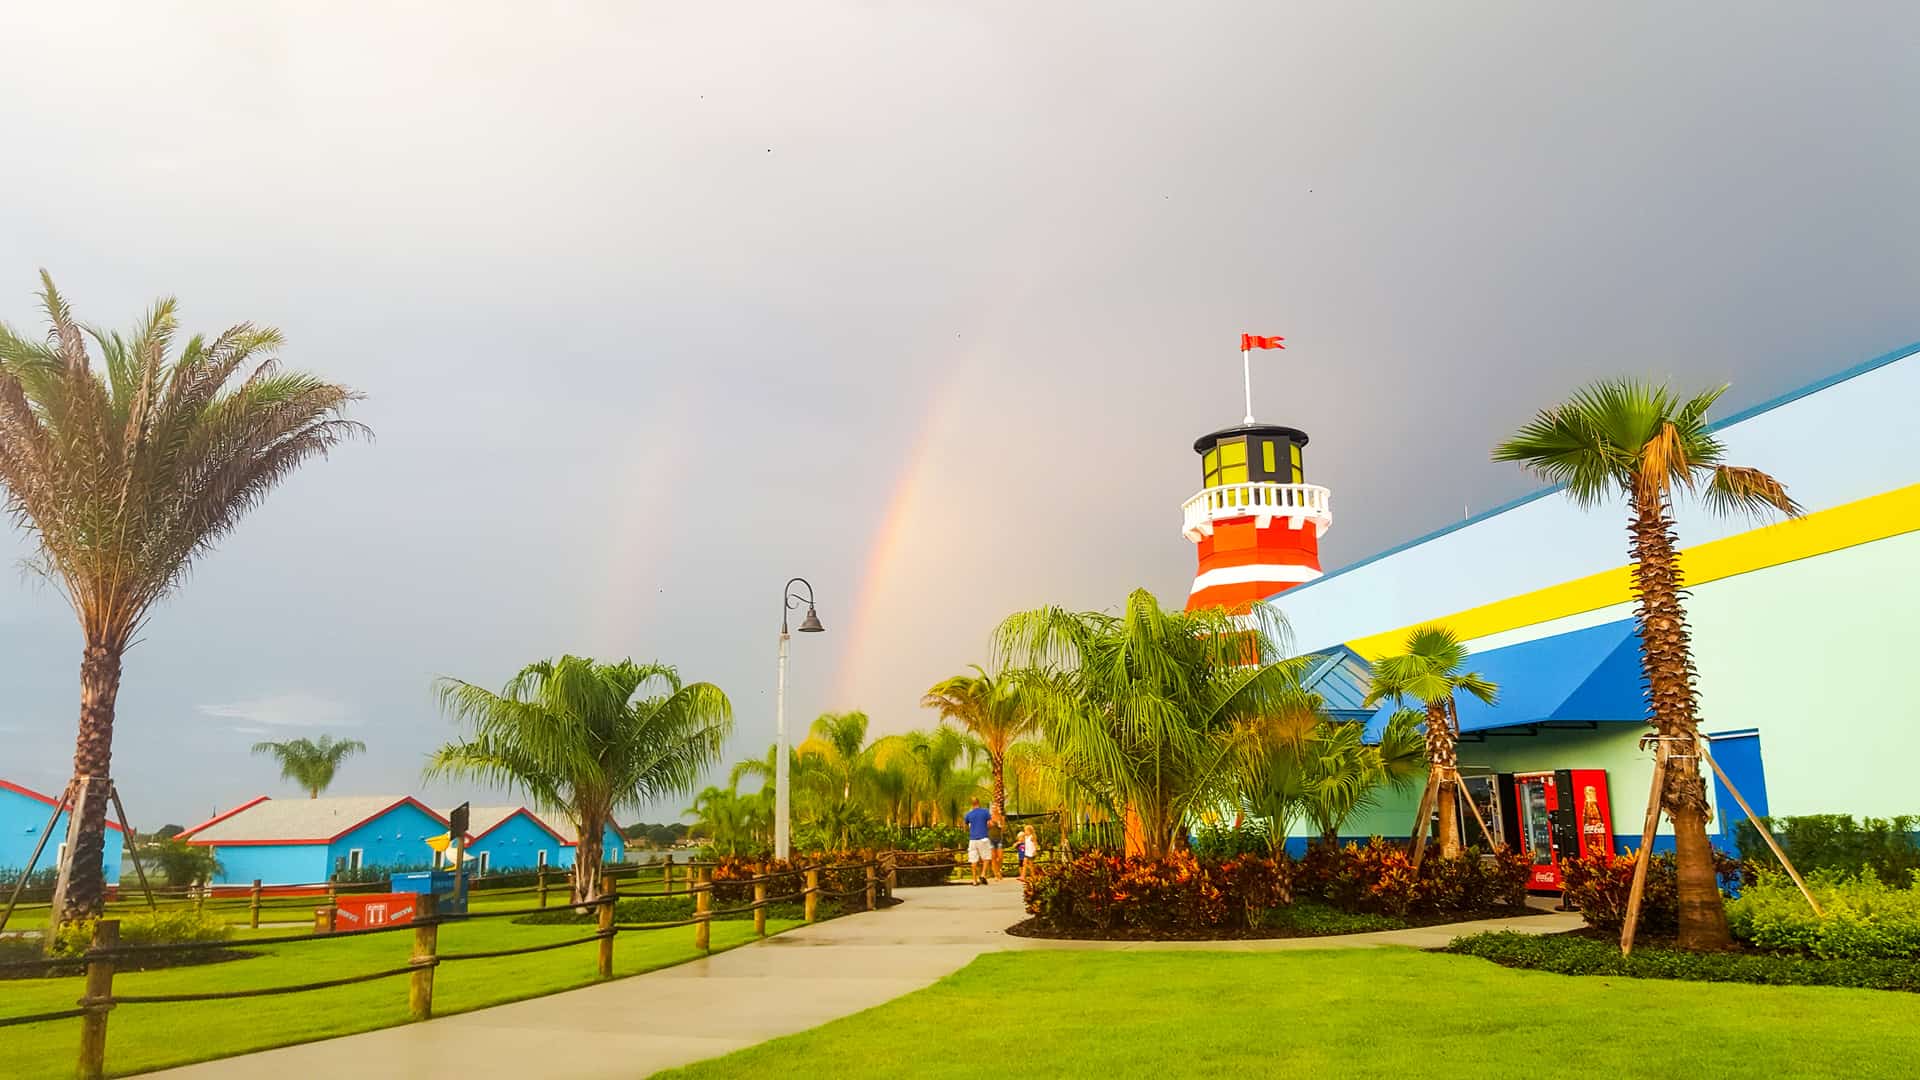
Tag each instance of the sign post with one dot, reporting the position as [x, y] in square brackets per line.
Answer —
[457, 828]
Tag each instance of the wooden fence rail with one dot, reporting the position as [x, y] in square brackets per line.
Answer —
[425, 955]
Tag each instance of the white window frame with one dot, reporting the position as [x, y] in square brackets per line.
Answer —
[481, 870]
[356, 857]
[540, 859]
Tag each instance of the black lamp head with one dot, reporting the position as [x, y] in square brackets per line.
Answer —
[811, 624]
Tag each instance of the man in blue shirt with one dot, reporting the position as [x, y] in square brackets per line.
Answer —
[979, 843]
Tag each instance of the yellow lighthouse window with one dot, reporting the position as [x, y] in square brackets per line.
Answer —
[1227, 463]
[1297, 473]
[1266, 455]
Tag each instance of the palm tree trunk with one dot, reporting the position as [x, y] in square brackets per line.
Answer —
[80, 887]
[587, 860]
[1667, 663]
[998, 764]
[1441, 755]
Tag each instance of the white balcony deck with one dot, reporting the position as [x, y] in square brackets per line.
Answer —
[1260, 500]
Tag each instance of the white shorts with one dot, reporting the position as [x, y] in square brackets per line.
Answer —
[979, 851]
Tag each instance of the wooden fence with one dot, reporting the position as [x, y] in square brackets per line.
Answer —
[424, 955]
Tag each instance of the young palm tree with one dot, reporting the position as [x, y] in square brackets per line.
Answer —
[734, 822]
[586, 739]
[1344, 775]
[1143, 704]
[993, 709]
[1632, 439]
[1429, 673]
[128, 471]
[311, 764]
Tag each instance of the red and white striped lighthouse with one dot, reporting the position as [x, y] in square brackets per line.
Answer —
[1255, 520]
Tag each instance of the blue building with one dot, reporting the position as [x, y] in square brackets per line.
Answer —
[307, 841]
[23, 815]
[506, 838]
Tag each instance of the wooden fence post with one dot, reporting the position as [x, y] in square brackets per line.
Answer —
[323, 919]
[873, 882]
[813, 892]
[703, 911]
[893, 872]
[542, 872]
[99, 999]
[666, 875]
[609, 895]
[760, 908]
[253, 906]
[426, 947]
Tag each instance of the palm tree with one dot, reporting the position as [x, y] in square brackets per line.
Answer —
[1429, 672]
[1142, 705]
[128, 472]
[311, 764]
[993, 709]
[1344, 775]
[731, 820]
[586, 739]
[1633, 439]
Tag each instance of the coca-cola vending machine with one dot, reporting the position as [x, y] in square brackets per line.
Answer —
[1554, 815]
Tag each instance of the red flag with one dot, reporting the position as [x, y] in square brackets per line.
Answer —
[1255, 341]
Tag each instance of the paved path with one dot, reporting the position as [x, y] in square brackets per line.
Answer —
[790, 982]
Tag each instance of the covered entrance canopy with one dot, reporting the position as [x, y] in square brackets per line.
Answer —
[1579, 679]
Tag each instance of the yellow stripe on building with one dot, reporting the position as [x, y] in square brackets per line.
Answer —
[1874, 518]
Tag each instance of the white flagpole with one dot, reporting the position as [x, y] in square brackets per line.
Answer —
[1246, 369]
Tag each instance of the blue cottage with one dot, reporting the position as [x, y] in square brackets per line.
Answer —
[23, 815]
[307, 841]
[508, 838]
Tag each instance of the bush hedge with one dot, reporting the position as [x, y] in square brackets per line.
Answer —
[1890, 847]
[1864, 918]
[1569, 955]
[1599, 884]
[1183, 893]
[168, 926]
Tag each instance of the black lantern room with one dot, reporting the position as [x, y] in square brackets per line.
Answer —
[1251, 452]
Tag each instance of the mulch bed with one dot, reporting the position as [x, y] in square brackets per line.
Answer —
[1031, 928]
[24, 949]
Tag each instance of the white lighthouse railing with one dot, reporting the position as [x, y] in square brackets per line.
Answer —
[1260, 500]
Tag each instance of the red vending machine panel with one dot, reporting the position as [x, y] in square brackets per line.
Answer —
[1561, 814]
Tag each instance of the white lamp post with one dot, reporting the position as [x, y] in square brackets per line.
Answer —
[808, 625]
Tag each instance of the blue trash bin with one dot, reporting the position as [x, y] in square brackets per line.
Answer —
[437, 882]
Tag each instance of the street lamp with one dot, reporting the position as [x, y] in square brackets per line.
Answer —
[808, 625]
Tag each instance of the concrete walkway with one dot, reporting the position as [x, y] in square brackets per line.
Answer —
[790, 982]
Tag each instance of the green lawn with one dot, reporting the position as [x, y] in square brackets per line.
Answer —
[1330, 1014]
[142, 1037]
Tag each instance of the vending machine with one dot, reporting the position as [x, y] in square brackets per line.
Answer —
[1556, 815]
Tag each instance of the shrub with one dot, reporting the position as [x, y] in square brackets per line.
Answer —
[1217, 843]
[1599, 884]
[170, 926]
[1177, 893]
[1864, 917]
[1890, 847]
[1567, 955]
[840, 872]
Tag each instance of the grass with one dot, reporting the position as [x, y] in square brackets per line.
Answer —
[143, 1037]
[1336, 1014]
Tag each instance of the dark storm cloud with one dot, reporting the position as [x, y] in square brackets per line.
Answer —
[657, 307]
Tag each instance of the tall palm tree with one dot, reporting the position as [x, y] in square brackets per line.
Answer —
[586, 739]
[128, 471]
[1429, 672]
[1633, 439]
[1142, 704]
[733, 821]
[311, 764]
[837, 741]
[994, 709]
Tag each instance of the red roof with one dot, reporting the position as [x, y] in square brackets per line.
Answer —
[46, 799]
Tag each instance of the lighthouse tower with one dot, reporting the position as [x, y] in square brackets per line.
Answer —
[1256, 522]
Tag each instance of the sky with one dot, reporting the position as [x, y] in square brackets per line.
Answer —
[656, 306]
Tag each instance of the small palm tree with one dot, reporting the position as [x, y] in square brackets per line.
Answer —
[127, 472]
[994, 709]
[1630, 439]
[586, 739]
[733, 821]
[1429, 673]
[1142, 706]
[311, 764]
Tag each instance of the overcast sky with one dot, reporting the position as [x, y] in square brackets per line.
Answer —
[658, 305]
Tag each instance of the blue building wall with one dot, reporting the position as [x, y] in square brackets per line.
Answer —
[397, 838]
[273, 864]
[515, 844]
[22, 817]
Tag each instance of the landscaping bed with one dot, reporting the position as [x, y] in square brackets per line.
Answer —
[22, 950]
[1301, 919]
[1594, 952]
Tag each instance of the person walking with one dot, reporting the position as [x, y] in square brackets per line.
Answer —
[979, 841]
[1029, 849]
